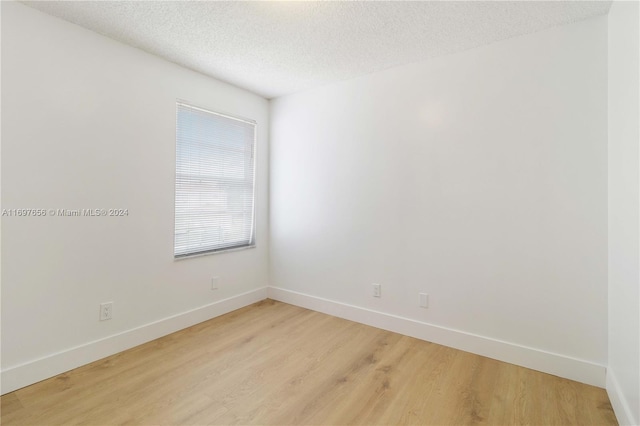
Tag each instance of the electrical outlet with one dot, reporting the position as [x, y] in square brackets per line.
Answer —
[424, 300]
[377, 290]
[214, 283]
[106, 311]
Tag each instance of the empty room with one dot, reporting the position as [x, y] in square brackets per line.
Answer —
[320, 213]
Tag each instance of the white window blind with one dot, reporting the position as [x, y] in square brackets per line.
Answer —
[214, 181]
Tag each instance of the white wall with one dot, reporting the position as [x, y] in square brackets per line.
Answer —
[623, 372]
[479, 178]
[88, 122]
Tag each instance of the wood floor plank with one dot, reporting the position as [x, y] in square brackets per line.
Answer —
[276, 364]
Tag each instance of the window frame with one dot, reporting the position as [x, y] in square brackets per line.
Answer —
[253, 244]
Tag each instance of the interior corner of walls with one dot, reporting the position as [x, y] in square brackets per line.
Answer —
[33, 371]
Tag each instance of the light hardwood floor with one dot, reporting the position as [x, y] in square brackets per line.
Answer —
[273, 363]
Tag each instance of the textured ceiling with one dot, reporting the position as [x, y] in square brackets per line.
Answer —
[277, 48]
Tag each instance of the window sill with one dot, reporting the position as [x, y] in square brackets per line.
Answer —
[209, 253]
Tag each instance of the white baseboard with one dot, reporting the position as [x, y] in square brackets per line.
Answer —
[16, 377]
[30, 372]
[536, 359]
[619, 402]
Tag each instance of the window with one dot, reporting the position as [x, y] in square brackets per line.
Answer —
[215, 165]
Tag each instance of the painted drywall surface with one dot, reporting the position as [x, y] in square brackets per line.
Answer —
[90, 123]
[624, 213]
[479, 178]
